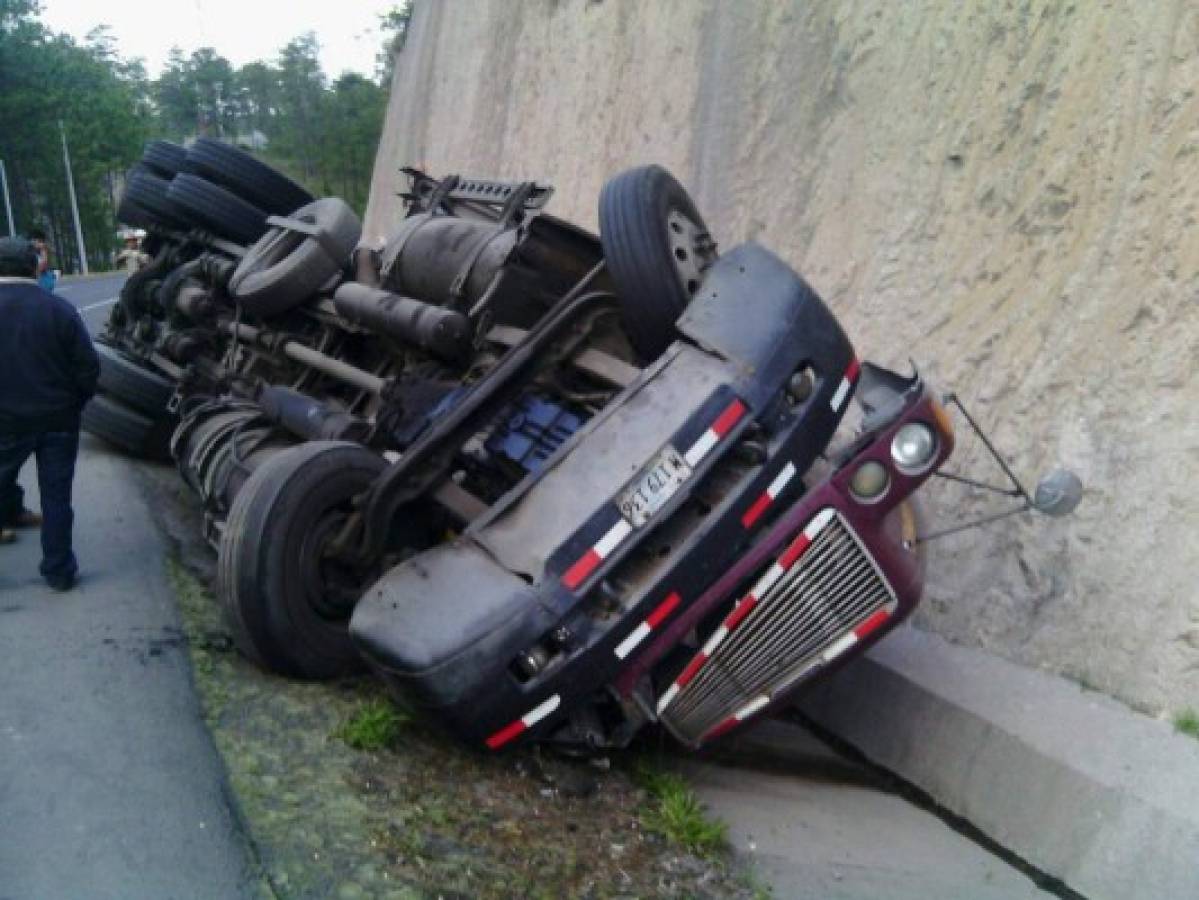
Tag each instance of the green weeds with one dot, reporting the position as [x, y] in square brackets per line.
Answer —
[374, 725]
[676, 814]
[1187, 722]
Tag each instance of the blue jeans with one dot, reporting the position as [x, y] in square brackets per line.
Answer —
[56, 451]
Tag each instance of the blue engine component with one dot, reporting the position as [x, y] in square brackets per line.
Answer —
[533, 428]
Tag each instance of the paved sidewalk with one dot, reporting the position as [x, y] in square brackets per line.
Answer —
[110, 786]
[816, 826]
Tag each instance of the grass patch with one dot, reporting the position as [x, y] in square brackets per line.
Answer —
[758, 888]
[676, 813]
[187, 588]
[1187, 722]
[374, 725]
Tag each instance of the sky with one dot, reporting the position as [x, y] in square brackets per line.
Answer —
[240, 30]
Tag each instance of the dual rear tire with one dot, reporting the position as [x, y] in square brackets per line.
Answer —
[287, 602]
[130, 412]
[213, 185]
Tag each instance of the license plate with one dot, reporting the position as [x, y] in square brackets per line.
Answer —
[653, 487]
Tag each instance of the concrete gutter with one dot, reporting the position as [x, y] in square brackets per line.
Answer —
[813, 825]
[1078, 785]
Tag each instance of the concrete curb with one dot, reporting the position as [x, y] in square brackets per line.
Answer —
[1093, 794]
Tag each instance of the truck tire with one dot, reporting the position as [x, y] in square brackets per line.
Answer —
[657, 248]
[233, 168]
[285, 268]
[134, 384]
[145, 202]
[126, 429]
[164, 158]
[288, 609]
[212, 207]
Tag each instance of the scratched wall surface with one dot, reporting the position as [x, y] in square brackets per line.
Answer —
[1004, 191]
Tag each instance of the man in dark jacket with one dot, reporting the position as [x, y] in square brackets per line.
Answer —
[48, 371]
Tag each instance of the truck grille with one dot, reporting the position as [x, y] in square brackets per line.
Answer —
[822, 595]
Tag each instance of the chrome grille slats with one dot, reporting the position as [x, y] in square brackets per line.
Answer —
[776, 651]
[830, 590]
[815, 578]
[823, 571]
[767, 652]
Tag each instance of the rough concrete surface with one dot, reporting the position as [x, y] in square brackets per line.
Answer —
[1004, 191]
[1070, 780]
[110, 786]
[818, 827]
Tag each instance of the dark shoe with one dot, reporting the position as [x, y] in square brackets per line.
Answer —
[27, 518]
[7, 536]
[61, 582]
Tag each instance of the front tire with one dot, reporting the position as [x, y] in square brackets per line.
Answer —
[288, 606]
[657, 249]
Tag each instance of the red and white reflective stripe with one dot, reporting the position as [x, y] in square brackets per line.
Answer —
[693, 667]
[723, 425]
[859, 633]
[773, 574]
[715, 640]
[769, 495]
[642, 631]
[809, 534]
[847, 380]
[587, 563]
[750, 709]
[874, 621]
[685, 676]
[524, 723]
[668, 697]
[740, 611]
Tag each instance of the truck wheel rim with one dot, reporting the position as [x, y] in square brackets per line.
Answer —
[691, 249]
[332, 589]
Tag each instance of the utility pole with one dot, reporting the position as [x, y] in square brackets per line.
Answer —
[66, 158]
[12, 232]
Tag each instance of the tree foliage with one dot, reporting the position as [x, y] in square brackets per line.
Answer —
[48, 78]
[320, 131]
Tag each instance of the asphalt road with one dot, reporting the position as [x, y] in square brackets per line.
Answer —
[110, 786]
[93, 296]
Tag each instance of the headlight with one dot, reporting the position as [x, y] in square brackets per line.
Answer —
[870, 481]
[913, 447]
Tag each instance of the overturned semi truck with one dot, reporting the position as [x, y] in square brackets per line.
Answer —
[549, 485]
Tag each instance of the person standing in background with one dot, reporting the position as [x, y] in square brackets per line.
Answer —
[14, 515]
[132, 258]
[48, 372]
[46, 278]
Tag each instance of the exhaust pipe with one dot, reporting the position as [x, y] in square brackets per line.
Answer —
[439, 331]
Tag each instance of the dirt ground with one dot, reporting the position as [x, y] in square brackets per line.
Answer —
[423, 817]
